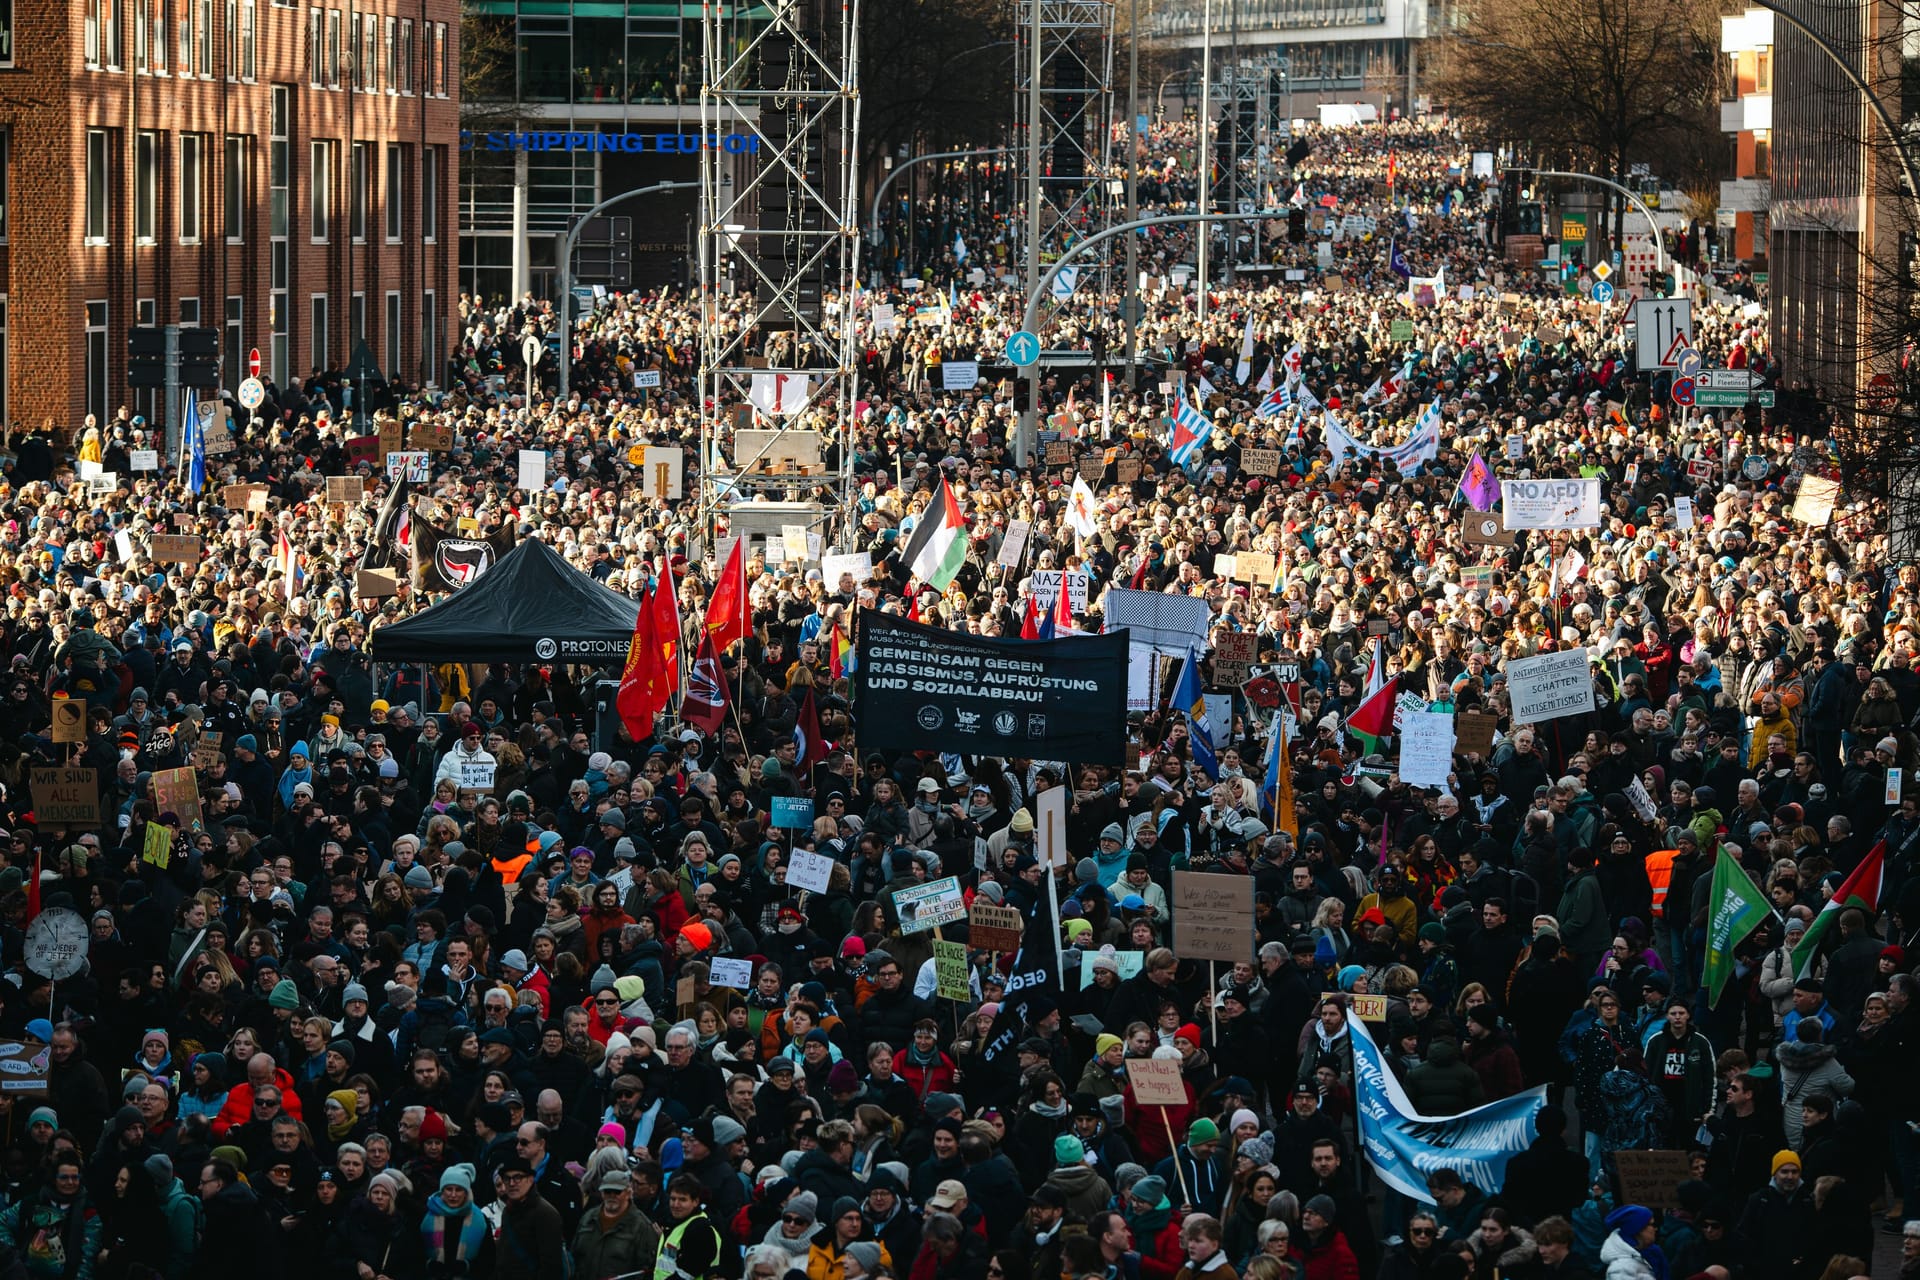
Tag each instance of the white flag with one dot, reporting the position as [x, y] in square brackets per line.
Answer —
[959, 248]
[1244, 369]
[780, 394]
[1081, 505]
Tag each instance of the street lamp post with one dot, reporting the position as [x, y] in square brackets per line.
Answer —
[1024, 431]
[1659, 250]
[566, 271]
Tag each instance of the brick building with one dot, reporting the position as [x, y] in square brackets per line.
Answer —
[286, 174]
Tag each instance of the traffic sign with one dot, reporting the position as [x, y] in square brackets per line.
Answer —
[252, 393]
[253, 362]
[1662, 329]
[1601, 271]
[1689, 363]
[1683, 391]
[1712, 398]
[1728, 379]
[1602, 291]
[1023, 349]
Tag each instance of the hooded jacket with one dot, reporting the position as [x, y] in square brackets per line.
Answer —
[1086, 1191]
[1807, 1068]
[1444, 1085]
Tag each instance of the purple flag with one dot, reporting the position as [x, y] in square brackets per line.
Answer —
[1478, 485]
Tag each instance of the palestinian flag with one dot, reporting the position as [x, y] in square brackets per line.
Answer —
[1861, 889]
[939, 543]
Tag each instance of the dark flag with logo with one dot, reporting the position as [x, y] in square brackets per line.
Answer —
[392, 531]
[704, 704]
[449, 561]
[1033, 986]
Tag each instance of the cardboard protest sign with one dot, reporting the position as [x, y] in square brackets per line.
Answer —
[991, 928]
[1213, 916]
[1156, 1081]
[65, 796]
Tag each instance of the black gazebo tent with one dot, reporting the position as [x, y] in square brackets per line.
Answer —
[531, 607]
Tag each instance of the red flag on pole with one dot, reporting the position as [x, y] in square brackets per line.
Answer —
[806, 734]
[664, 656]
[632, 700]
[1030, 621]
[728, 610]
[705, 705]
[1374, 717]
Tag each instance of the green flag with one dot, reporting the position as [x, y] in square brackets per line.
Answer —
[1738, 908]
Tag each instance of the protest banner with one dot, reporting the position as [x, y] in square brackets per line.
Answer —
[1550, 504]
[177, 791]
[65, 796]
[1652, 1178]
[25, 1066]
[1550, 685]
[809, 871]
[992, 928]
[1213, 916]
[726, 971]
[952, 978]
[926, 906]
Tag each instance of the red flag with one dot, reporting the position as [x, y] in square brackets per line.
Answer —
[1374, 717]
[664, 657]
[1030, 621]
[633, 701]
[728, 610]
[913, 605]
[1140, 571]
[705, 705]
[806, 734]
[1063, 608]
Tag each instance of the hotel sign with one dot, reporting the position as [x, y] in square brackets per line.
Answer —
[685, 144]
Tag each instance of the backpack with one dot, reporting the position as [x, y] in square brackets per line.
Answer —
[433, 1025]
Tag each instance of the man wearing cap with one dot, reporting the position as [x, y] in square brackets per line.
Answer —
[713, 1147]
[619, 1239]
[467, 751]
[530, 1242]
[1777, 1228]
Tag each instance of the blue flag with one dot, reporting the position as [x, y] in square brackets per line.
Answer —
[1397, 261]
[1404, 1146]
[199, 418]
[1188, 698]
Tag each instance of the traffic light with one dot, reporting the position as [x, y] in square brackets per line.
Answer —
[1296, 226]
[147, 357]
[199, 357]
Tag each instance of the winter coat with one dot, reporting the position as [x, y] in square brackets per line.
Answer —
[1806, 1069]
[1086, 1191]
[1329, 1257]
[628, 1246]
[1495, 1062]
[1622, 1260]
[1518, 1251]
[1584, 928]
[1444, 1085]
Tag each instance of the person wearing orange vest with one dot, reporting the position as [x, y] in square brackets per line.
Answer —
[1672, 872]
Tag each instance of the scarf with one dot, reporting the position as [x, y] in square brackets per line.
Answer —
[350, 1102]
[1051, 1110]
[922, 1060]
[468, 1229]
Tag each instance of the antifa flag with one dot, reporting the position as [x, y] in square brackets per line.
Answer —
[1033, 985]
[704, 704]
[450, 561]
[391, 528]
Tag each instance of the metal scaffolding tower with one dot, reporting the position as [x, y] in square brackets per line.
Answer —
[778, 249]
[1238, 99]
[1072, 115]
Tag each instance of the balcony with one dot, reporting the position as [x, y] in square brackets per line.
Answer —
[1747, 112]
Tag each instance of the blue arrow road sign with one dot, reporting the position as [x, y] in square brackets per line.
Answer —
[1602, 292]
[1023, 349]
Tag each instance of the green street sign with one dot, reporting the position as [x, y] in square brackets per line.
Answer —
[1710, 399]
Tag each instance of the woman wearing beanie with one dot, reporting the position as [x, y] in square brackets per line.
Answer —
[454, 1233]
[1629, 1251]
[1105, 1074]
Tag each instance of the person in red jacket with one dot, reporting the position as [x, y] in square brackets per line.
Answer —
[922, 1064]
[1489, 1051]
[261, 1074]
[1151, 1134]
[1328, 1255]
[1155, 1225]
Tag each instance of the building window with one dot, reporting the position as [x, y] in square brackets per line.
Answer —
[191, 145]
[233, 39]
[204, 36]
[190, 311]
[357, 200]
[429, 340]
[318, 303]
[426, 59]
[234, 190]
[406, 55]
[444, 60]
[233, 357]
[146, 185]
[187, 10]
[97, 362]
[6, 33]
[110, 33]
[396, 193]
[333, 48]
[1763, 153]
[99, 175]
[393, 54]
[321, 185]
[368, 72]
[140, 35]
[430, 194]
[162, 26]
[393, 337]
[247, 41]
[316, 23]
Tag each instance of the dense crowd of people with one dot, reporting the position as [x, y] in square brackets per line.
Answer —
[349, 1021]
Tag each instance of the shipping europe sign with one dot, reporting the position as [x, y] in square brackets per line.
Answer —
[682, 144]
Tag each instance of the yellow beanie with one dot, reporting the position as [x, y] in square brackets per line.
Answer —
[1784, 1157]
[1103, 1043]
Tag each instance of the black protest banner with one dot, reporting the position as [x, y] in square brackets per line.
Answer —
[921, 687]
